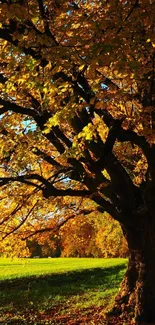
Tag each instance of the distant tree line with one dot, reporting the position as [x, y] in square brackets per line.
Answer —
[82, 237]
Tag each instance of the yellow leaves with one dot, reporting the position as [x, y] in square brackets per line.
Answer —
[76, 26]
[132, 76]
[14, 246]
[140, 170]
[49, 88]
[35, 20]
[110, 239]
[138, 180]
[46, 90]
[53, 121]
[11, 87]
[150, 41]
[64, 87]
[101, 127]
[105, 173]
[122, 107]
[88, 132]
[81, 67]
[23, 79]
[70, 33]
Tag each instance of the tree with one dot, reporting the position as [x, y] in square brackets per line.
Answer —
[95, 235]
[110, 239]
[78, 236]
[10, 247]
[92, 235]
[77, 121]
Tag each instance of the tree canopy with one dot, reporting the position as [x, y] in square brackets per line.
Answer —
[77, 125]
[77, 96]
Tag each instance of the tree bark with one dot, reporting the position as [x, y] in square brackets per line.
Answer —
[136, 297]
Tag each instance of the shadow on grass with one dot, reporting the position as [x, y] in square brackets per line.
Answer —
[39, 288]
[74, 297]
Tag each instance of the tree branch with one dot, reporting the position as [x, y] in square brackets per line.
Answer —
[124, 135]
[47, 158]
[10, 106]
[45, 15]
[2, 79]
[47, 188]
[106, 205]
[62, 222]
[40, 119]
[21, 223]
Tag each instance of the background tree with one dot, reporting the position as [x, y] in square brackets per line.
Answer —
[110, 239]
[93, 235]
[77, 121]
[84, 236]
[79, 237]
[10, 247]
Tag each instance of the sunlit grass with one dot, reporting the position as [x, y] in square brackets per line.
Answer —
[55, 291]
[17, 268]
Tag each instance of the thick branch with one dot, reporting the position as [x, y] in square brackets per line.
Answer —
[106, 205]
[47, 158]
[133, 137]
[124, 135]
[2, 79]
[10, 106]
[61, 136]
[40, 119]
[47, 188]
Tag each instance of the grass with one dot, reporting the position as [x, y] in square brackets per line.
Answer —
[58, 291]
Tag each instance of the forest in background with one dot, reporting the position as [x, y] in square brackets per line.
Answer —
[88, 236]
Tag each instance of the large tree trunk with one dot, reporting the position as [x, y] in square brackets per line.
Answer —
[137, 293]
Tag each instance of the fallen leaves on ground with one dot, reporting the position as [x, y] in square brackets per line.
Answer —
[57, 316]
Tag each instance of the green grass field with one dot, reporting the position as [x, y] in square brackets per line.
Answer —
[58, 290]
